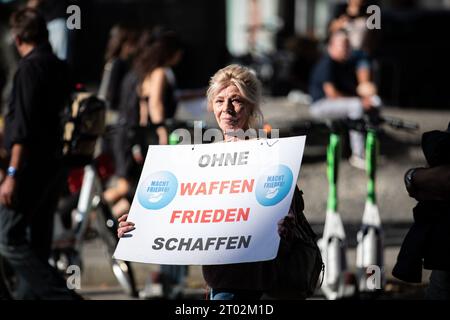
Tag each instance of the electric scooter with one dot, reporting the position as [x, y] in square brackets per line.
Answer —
[370, 237]
[369, 250]
[333, 242]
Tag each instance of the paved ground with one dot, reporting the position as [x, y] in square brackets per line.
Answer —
[399, 151]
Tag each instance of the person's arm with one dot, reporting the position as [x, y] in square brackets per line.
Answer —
[366, 88]
[16, 156]
[330, 91]
[143, 93]
[156, 106]
[363, 74]
[8, 186]
[429, 183]
[21, 132]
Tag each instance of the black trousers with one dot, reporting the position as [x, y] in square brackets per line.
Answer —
[439, 287]
[26, 232]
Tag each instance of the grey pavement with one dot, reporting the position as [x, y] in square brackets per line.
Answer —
[399, 151]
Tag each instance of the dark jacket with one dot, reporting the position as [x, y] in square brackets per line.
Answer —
[255, 275]
[427, 243]
[40, 92]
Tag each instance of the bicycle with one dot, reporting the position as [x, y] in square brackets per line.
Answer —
[84, 203]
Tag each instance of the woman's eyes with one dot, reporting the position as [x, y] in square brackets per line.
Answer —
[233, 101]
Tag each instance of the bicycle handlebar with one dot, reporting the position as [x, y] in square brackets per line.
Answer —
[400, 124]
[365, 123]
[374, 123]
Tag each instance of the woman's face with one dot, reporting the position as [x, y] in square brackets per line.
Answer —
[231, 109]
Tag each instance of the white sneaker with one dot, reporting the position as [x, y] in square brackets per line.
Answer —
[357, 162]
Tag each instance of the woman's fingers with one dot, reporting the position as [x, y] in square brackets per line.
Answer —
[123, 217]
[121, 231]
[286, 224]
[281, 227]
[128, 229]
[125, 224]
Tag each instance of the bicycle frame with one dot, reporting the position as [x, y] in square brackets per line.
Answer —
[90, 191]
[91, 199]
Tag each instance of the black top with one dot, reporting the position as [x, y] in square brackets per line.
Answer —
[341, 75]
[119, 69]
[129, 100]
[40, 91]
[170, 100]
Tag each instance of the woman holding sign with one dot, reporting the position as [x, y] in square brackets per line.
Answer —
[234, 97]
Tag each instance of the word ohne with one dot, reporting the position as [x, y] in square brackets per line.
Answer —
[223, 159]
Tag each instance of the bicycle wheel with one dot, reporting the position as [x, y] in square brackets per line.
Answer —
[107, 227]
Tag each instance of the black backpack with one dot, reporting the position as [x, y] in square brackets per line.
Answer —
[84, 123]
[296, 270]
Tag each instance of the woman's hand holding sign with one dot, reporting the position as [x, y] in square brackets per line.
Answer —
[286, 225]
[124, 226]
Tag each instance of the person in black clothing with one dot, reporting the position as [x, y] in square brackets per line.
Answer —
[121, 48]
[427, 243]
[29, 193]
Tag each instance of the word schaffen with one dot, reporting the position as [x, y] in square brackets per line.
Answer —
[200, 244]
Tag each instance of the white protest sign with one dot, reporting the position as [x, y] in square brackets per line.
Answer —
[212, 203]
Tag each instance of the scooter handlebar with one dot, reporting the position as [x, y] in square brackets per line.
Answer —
[400, 124]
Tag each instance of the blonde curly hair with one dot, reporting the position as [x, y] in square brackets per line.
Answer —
[248, 85]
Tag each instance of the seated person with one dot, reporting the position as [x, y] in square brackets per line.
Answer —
[340, 87]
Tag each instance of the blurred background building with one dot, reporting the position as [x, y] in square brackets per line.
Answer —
[280, 38]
